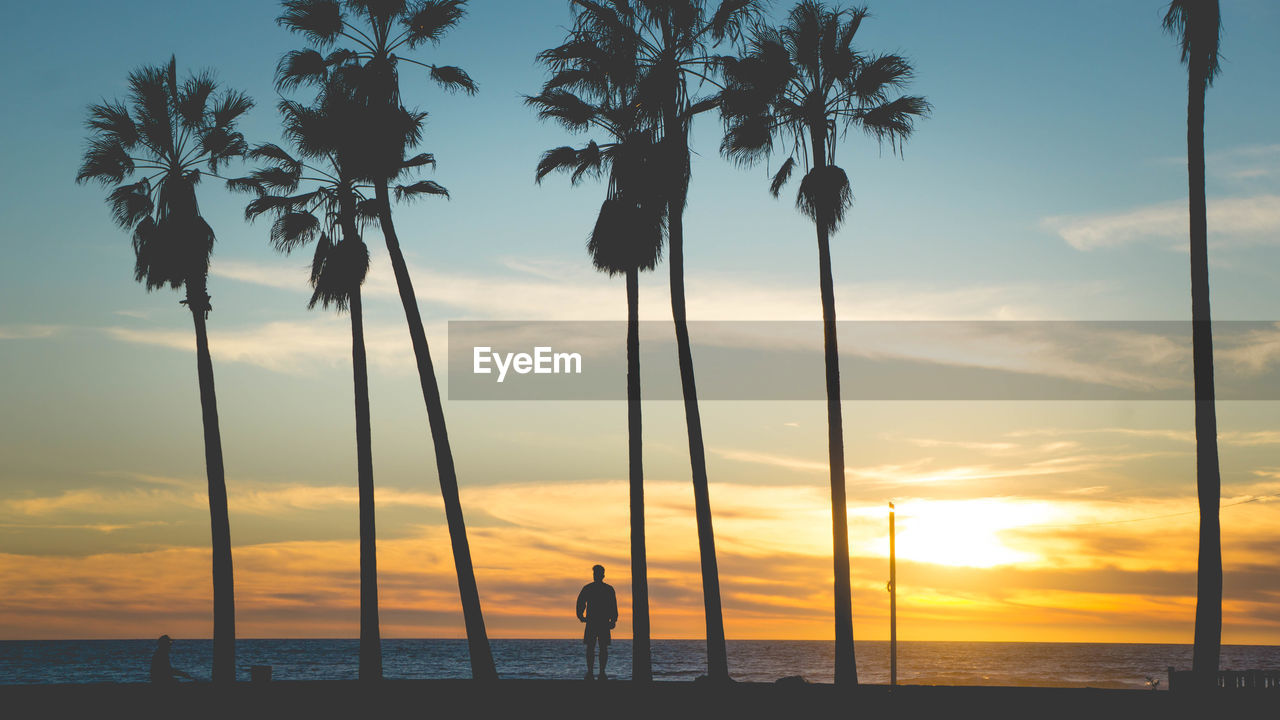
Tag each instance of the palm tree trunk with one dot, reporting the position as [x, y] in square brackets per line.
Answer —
[224, 601]
[641, 664]
[1208, 632]
[370, 635]
[846, 666]
[717, 654]
[482, 665]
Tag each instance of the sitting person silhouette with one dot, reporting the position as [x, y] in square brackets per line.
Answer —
[161, 671]
[598, 608]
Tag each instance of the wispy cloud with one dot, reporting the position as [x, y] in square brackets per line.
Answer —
[1244, 220]
[532, 289]
[29, 332]
[286, 346]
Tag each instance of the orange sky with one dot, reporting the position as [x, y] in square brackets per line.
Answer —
[1082, 566]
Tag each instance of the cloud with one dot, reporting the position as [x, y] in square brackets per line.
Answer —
[1247, 163]
[533, 289]
[1238, 220]
[287, 346]
[256, 499]
[969, 569]
[29, 332]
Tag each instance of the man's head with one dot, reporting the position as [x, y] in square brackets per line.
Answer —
[165, 641]
[597, 571]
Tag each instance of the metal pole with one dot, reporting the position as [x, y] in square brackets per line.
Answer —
[893, 604]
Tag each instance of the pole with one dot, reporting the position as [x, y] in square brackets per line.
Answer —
[893, 604]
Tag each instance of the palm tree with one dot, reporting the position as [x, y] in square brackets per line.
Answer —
[626, 239]
[806, 84]
[671, 42]
[327, 214]
[163, 135]
[1197, 24]
[376, 30]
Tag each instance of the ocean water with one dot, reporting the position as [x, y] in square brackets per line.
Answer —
[928, 663]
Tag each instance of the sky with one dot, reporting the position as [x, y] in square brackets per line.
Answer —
[1048, 185]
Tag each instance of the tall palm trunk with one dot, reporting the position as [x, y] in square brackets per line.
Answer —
[224, 601]
[641, 664]
[482, 665]
[370, 634]
[717, 655]
[1208, 632]
[846, 667]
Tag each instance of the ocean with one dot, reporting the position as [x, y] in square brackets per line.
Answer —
[1119, 665]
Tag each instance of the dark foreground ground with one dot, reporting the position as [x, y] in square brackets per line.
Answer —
[570, 700]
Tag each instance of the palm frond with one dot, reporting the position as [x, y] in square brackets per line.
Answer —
[320, 21]
[566, 159]
[732, 17]
[430, 20]
[627, 234]
[271, 151]
[564, 107]
[894, 121]
[194, 98]
[278, 204]
[229, 107]
[780, 178]
[710, 102]
[219, 144]
[420, 160]
[872, 78]
[1198, 26]
[747, 139]
[453, 79]
[105, 162]
[300, 67]
[292, 230]
[111, 120]
[366, 211]
[281, 178]
[245, 184]
[419, 189]
[824, 196]
[337, 271]
[130, 204]
[150, 99]
[378, 13]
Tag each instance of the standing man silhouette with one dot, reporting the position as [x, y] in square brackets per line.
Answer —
[598, 608]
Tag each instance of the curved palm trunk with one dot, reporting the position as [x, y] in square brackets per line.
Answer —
[846, 667]
[1208, 632]
[370, 635]
[641, 664]
[482, 665]
[224, 602]
[717, 655]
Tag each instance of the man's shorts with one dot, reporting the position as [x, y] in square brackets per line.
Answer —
[596, 632]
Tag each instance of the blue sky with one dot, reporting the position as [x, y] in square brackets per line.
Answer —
[1048, 184]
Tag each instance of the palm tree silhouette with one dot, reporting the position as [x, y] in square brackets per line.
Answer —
[314, 199]
[626, 239]
[164, 134]
[805, 84]
[671, 42]
[380, 133]
[1198, 24]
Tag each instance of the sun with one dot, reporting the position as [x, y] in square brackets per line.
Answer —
[965, 533]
